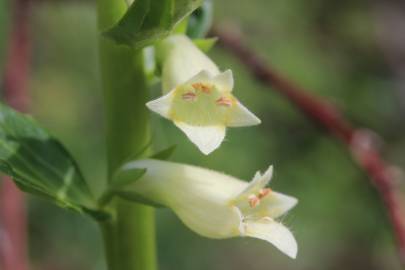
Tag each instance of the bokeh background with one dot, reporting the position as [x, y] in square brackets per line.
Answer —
[345, 51]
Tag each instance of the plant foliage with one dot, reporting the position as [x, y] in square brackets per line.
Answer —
[147, 21]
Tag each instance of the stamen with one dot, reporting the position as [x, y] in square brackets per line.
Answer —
[253, 201]
[189, 96]
[263, 193]
[205, 88]
[202, 87]
[224, 101]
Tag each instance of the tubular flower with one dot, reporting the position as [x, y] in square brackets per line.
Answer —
[197, 96]
[216, 205]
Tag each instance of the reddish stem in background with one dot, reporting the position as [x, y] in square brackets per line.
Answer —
[13, 229]
[328, 116]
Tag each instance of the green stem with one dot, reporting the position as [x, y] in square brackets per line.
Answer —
[130, 236]
[108, 231]
[136, 236]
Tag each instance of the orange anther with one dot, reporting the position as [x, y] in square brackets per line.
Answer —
[189, 96]
[253, 201]
[263, 193]
[224, 101]
[205, 88]
[202, 87]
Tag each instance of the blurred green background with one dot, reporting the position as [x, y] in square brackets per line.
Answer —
[332, 48]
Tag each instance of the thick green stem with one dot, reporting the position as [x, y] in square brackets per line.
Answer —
[108, 231]
[130, 236]
[136, 236]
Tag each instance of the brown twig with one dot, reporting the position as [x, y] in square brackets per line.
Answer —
[328, 116]
[13, 231]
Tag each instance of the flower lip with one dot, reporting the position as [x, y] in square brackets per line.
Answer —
[274, 232]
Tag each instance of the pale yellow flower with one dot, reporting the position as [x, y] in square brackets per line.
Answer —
[216, 205]
[197, 96]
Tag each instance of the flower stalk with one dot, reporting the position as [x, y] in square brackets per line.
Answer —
[129, 236]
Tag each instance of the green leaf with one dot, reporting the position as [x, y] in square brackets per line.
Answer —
[38, 163]
[98, 215]
[122, 178]
[200, 21]
[183, 8]
[205, 44]
[125, 177]
[147, 21]
[133, 196]
[164, 154]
